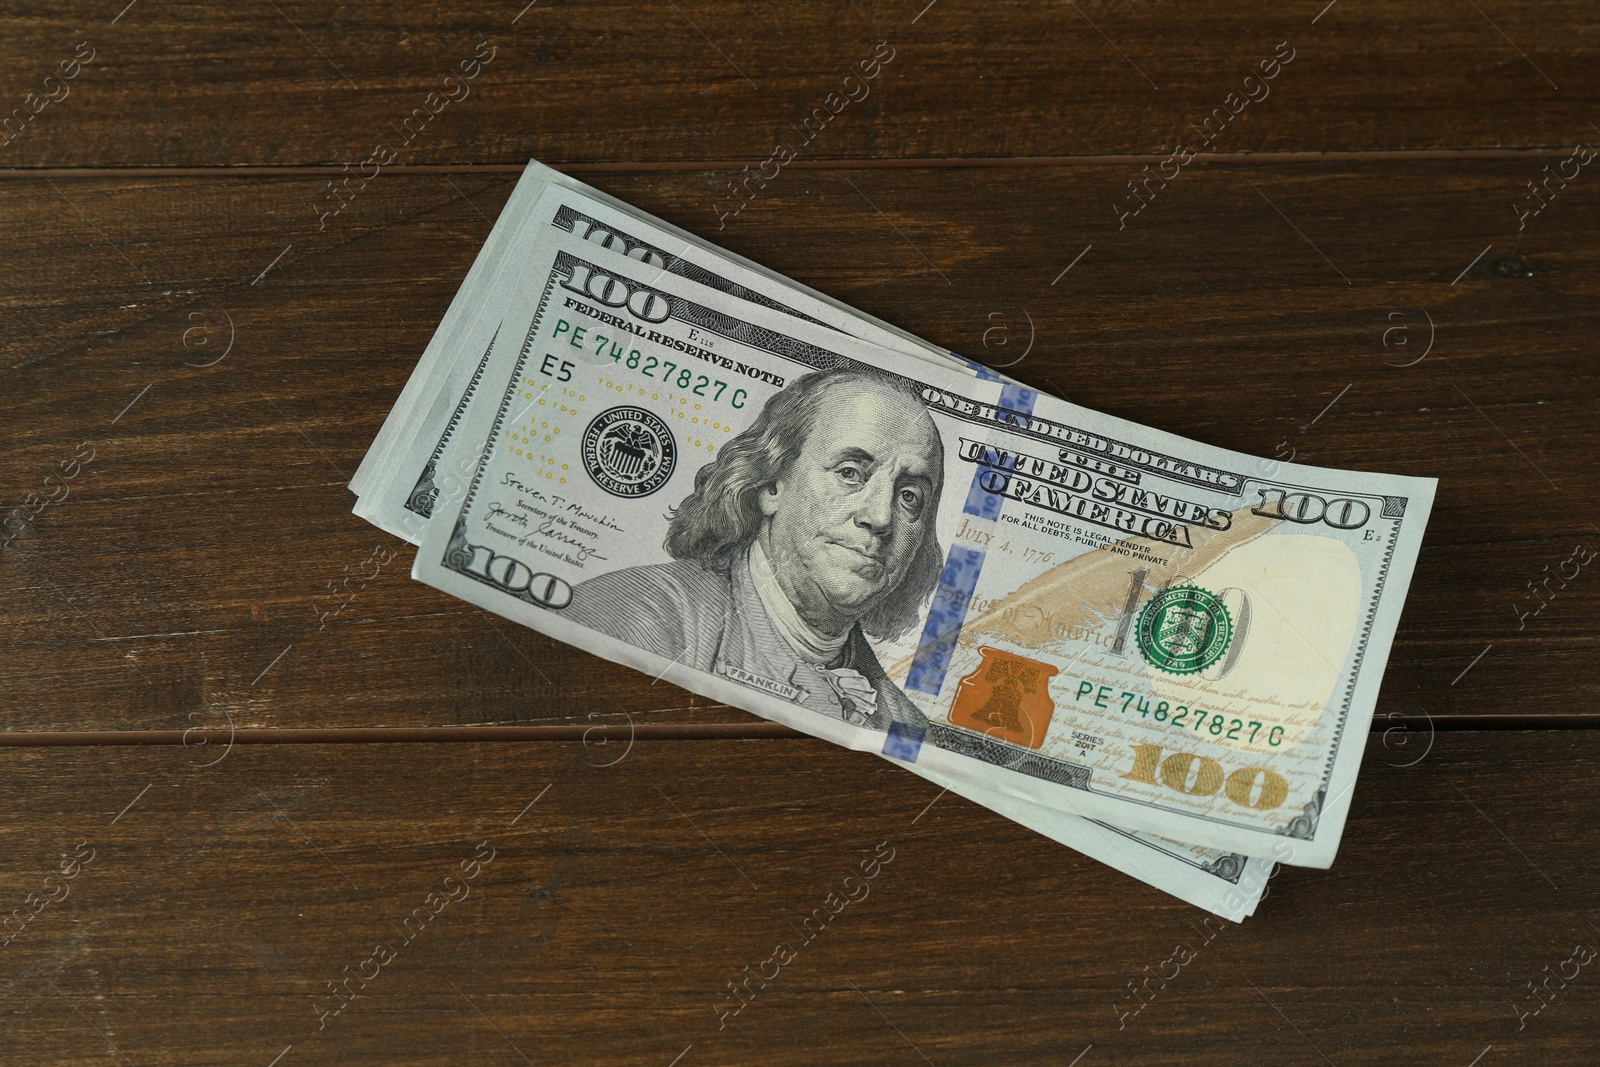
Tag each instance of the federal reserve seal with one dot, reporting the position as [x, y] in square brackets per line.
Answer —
[629, 451]
[1184, 630]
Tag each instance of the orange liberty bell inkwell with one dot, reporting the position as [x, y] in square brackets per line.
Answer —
[1007, 697]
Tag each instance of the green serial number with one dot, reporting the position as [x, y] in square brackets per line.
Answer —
[664, 371]
[1182, 716]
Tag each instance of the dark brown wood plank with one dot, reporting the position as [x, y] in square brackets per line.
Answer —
[195, 545]
[297, 82]
[220, 903]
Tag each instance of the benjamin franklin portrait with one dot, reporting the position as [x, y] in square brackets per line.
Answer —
[812, 530]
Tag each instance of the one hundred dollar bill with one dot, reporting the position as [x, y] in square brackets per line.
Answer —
[1227, 884]
[991, 585]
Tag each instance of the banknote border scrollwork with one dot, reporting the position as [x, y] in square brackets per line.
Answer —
[458, 552]
[420, 499]
[976, 746]
[511, 383]
[1229, 868]
[1305, 825]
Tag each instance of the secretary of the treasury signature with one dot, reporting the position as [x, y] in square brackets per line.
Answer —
[549, 529]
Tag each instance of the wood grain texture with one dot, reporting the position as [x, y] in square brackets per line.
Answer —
[221, 901]
[299, 82]
[200, 542]
[169, 209]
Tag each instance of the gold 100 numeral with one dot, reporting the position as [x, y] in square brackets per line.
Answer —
[1201, 776]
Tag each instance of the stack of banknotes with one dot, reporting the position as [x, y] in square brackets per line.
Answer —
[1162, 654]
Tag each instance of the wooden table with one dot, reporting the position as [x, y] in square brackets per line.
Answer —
[1354, 272]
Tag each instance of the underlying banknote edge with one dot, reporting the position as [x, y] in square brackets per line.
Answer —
[463, 306]
[1231, 886]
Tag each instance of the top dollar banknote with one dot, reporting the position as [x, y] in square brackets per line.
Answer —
[900, 555]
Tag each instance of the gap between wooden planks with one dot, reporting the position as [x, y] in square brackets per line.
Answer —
[732, 731]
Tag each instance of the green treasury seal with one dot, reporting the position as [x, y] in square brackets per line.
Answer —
[1185, 629]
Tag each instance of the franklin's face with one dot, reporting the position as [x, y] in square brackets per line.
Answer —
[845, 521]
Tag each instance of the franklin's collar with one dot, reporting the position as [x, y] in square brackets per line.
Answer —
[808, 643]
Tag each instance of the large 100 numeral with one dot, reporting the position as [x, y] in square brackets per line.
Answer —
[517, 578]
[1201, 776]
[641, 301]
[1342, 513]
